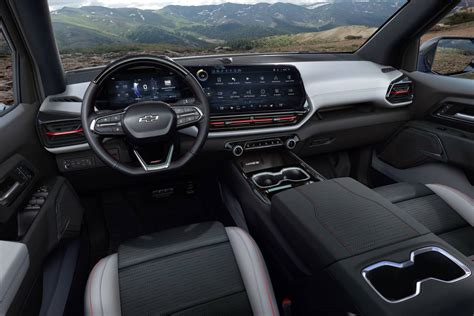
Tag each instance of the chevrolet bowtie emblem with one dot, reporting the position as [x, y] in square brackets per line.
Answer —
[148, 119]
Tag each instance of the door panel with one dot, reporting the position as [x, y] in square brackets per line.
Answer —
[440, 132]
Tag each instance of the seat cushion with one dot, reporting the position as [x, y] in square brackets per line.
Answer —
[424, 205]
[445, 211]
[198, 269]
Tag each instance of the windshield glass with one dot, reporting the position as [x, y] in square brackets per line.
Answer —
[93, 32]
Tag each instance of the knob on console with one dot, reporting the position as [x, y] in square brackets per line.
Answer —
[202, 75]
[238, 150]
[291, 143]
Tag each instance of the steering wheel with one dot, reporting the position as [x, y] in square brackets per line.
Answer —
[145, 124]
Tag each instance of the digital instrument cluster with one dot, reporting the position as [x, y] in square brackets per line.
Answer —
[139, 85]
[251, 89]
[231, 90]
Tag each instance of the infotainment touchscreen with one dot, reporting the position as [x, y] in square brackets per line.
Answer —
[248, 89]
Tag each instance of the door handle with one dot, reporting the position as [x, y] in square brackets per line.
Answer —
[464, 117]
[10, 192]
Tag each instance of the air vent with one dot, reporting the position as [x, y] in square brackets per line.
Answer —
[400, 91]
[62, 133]
[65, 99]
[254, 121]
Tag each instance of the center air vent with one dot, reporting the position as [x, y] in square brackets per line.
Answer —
[62, 133]
[400, 91]
[220, 123]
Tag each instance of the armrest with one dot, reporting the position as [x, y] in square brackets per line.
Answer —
[335, 219]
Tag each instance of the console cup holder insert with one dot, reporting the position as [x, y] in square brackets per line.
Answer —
[266, 180]
[398, 282]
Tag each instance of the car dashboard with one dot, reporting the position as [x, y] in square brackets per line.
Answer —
[252, 105]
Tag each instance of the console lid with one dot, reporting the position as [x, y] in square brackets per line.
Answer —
[335, 219]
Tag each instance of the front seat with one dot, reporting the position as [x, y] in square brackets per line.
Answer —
[201, 269]
[445, 211]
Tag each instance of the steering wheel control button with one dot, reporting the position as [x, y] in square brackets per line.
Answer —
[187, 115]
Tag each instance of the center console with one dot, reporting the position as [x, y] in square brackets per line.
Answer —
[342, 246]
[251, 97]
[382, 259]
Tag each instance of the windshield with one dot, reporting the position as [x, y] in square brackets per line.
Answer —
[89, 35]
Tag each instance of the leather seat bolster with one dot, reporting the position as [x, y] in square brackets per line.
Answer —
[460, 202]
[102, 291]
[253, 271]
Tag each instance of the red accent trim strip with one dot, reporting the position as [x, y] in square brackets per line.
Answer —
[255, 120]
[75, 131]
[286, 118]
[400, 91]
[262, 120]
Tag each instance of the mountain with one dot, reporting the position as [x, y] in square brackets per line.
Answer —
[197, 26]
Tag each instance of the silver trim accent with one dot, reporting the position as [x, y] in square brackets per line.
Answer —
[307, 177]
[160, 166]
[68, 149]
[9, 192]
[413, 254]
[464, 117]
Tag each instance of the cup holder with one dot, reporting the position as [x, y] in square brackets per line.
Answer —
[266, 180]
[397, 282]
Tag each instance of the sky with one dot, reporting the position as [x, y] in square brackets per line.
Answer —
[155, 4]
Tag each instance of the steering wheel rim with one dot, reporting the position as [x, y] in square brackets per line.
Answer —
[88, 115]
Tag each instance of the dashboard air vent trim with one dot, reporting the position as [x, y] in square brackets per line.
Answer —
[400, 91]
[62, 133]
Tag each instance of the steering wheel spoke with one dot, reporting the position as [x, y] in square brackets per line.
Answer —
[157, 164]
[108, 124]
[187, 116]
